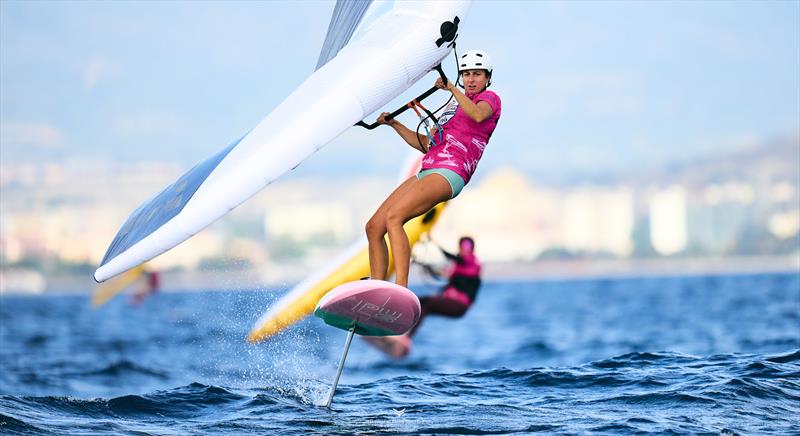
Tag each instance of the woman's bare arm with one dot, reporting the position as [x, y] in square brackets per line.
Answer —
[411, 137]
[477, 112]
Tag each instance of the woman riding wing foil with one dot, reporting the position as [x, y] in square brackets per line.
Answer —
[451, 158]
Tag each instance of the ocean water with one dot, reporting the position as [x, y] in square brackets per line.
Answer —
[677, 355]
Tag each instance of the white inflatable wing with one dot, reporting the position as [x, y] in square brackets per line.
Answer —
[388, 53]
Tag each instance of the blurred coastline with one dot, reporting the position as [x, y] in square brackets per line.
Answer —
[733, 212]
[26, 282]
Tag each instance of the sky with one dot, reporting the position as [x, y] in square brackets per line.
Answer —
[588, 87]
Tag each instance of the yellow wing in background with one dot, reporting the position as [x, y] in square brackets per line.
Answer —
[107, 290]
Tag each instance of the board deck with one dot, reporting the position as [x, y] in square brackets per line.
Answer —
[370, 307]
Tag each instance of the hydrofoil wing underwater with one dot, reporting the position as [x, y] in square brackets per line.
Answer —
[393, 47]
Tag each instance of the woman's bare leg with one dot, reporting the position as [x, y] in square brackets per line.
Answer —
[376, 230]
[420, 197]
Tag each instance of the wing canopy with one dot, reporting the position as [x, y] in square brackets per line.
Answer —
[347, 14]
[164, 206]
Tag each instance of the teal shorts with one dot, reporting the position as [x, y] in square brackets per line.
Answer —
[455, 181]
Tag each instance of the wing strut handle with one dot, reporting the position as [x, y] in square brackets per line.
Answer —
[422, 96]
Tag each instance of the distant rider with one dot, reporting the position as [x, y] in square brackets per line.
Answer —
[151, 286]
[464, 280]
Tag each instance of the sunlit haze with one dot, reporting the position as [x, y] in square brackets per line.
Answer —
[587, 87]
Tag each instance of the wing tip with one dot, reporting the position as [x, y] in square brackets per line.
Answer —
[255, 337]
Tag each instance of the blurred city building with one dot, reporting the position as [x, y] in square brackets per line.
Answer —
[59, 218]
[668, 220]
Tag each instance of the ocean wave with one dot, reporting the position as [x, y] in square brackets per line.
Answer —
[668, 395]
[677, 356]
[11, 426]
[122, 368]
[786, 358]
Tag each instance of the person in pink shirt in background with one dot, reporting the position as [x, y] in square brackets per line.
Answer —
[464, 280]
[151, 286]
[447, 166]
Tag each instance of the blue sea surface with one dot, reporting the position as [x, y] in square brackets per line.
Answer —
[673, 355]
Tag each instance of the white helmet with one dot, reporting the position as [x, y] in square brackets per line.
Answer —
[475, 60]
